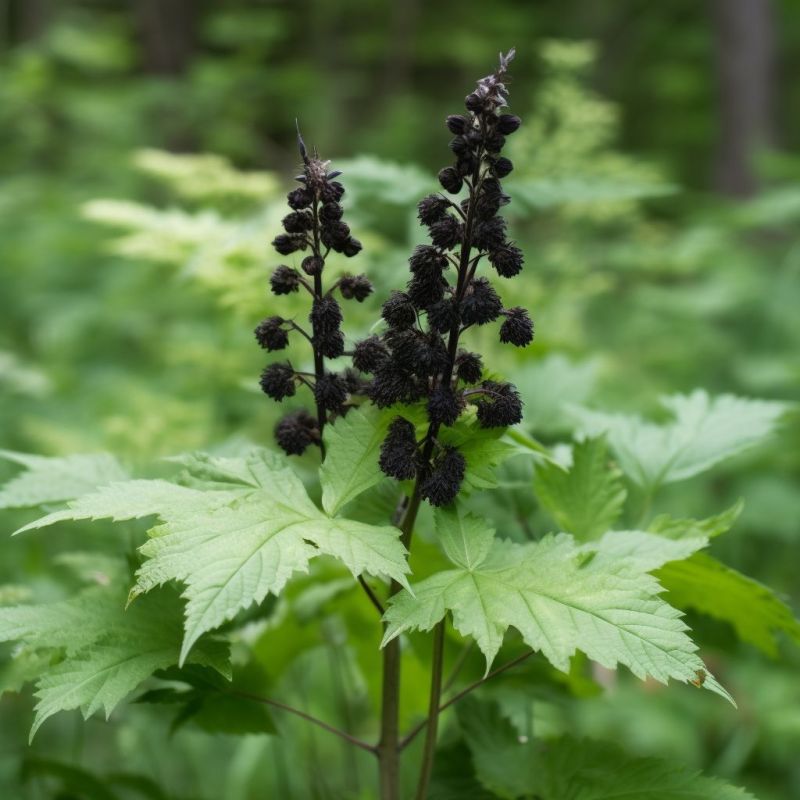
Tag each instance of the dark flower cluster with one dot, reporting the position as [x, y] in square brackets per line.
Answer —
[314, 227]
[418, 357]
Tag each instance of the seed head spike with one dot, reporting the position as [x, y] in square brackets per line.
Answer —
[300, 143]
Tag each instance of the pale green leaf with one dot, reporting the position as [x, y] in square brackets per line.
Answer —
[353, 446]
[232, 547]
[664, 525]
[646, 551]
[465, 537]
[704, 431]
[587, 499]
[755, 612]
[561, 597]
[56, 479]
[108, 650]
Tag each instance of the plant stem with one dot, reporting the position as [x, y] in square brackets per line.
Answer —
[302, 714]
[388, 748]
[429, 750]
[412, 734]
[319, 360]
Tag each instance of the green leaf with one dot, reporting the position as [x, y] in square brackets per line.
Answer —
[686, 528]
[514, 767]
[108, 650]
[646, 551]
[587, 499]
[232, 547]
[54, 480]
[755, 612]
[704, 431]
[560, 596]
[483, 450]
[353, 445]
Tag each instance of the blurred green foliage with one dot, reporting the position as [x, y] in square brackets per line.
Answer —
[136, 207]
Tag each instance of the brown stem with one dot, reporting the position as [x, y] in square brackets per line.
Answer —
[429, 750]
[412, 734]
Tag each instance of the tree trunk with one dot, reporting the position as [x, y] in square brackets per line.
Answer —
[745, 49]
[167, 29]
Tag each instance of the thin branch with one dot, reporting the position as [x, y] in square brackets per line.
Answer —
[460, 661]
[371, 594]
[412, 734]
[308, 718]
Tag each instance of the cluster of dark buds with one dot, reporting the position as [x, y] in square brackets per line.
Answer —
[418, 357]
[314, 228]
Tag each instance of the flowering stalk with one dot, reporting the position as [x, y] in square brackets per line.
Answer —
[315, 225]
[412, 362]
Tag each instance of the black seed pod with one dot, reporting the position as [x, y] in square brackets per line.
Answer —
[330, 212]
[270, 335]
[325, 316]
[491, 234]
[459, 145]
[407, 346]
[355, 287]
[331, 345]
[300, 198]
[481, 303]
[444, 406]
[330, 391]
[392, 384]
[353, 381]
[277, 381]
[296, 431]
[398, 458]
[442, 315]
[312, 265]
[284, 280]
[494, 142]
[297, 222]
[331, 192]
[447, 232]
[450, 180]
[398, 311]
[352, 247]
[432, 208]
[458, 124]
[469, 367]
[502, 167]
[507, 260]
[335, 235]
[288, 243]
[474, 103]
[441, 486]
[427, 260]
[466, 163]
[499, 406]
[369, 353]
[508, 123]
[425, 290]
[517, 329]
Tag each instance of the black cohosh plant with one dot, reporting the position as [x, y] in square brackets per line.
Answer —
[313, 228]
[418, 358]
[419, 405]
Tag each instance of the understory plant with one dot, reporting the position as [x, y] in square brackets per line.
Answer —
[382, 519]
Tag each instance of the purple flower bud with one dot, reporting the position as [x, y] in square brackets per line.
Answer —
[270, 335]
[499, 406]
[469, 367]
[296, 431]
[369, 353]
[458, 124]
[441, 486]
[355, 287]
[398, 457]
[312, 265]
[517, 329]
[284, 280]
[277, 381]
[507, 260]
[330, 391]
[508, 123]
[481, 303]
[450, 180]
[398, 311]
